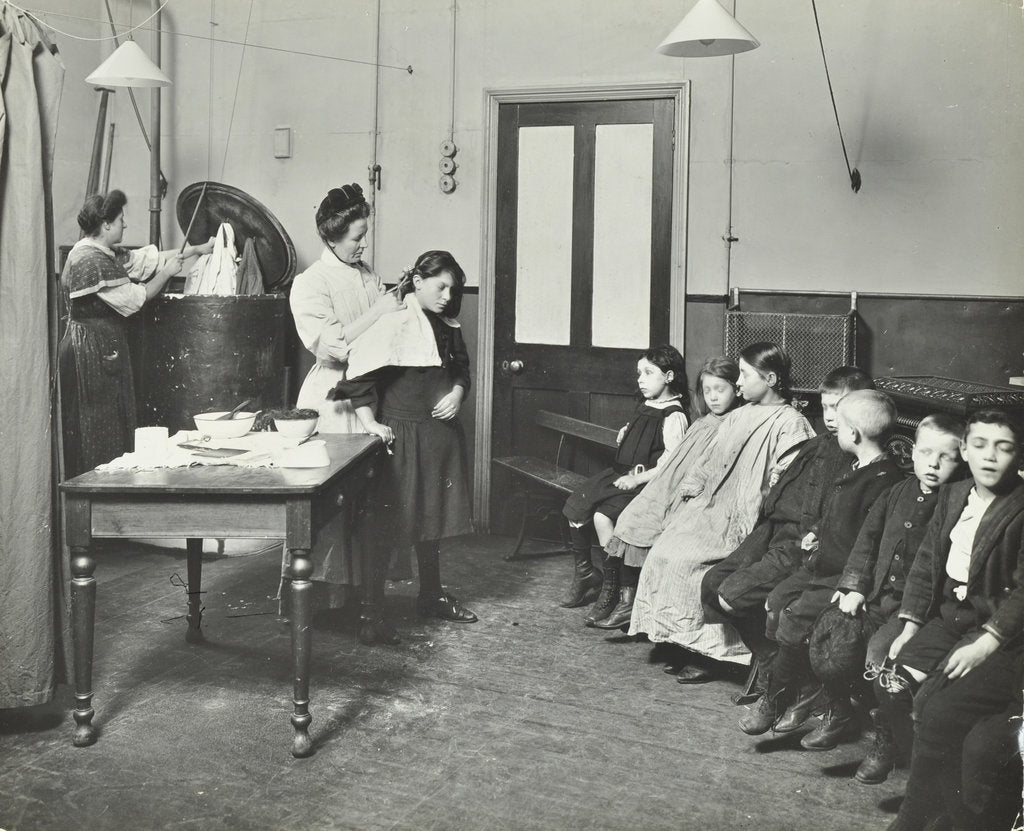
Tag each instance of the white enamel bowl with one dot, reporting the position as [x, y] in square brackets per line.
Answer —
[229, 428]
[296, 428]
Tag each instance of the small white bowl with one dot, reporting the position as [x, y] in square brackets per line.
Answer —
[229, 428]
[296, 428]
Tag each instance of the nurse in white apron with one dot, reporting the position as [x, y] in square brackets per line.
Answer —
[333, 302]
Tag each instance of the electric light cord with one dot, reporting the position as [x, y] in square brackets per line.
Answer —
[169, 32]
[42, 22]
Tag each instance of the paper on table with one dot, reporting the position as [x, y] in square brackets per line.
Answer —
[251, 450]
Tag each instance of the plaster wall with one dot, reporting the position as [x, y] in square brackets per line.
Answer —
[930, 96]
[929, 92]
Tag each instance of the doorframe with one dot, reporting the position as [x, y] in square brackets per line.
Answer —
[493, 99]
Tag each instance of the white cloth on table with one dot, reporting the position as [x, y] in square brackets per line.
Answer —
[262, 449]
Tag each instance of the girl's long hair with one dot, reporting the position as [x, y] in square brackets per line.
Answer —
[718, 367]
[768, 357]
[432, 264]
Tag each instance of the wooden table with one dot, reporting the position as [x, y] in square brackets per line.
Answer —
[221, 502]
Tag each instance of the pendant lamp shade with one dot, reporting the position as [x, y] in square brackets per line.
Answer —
[707, 31]
[128, 66]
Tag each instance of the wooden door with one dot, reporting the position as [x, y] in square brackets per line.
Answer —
[583, 250]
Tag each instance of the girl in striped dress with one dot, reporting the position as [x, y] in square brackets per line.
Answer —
[643, 520]
[721, 500]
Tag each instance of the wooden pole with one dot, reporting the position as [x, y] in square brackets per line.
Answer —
[92, 183]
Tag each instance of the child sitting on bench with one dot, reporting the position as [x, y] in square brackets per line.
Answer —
[657, 426]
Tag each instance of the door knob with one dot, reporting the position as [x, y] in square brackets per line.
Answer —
[514, 367]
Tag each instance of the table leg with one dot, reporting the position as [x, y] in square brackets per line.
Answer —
[300, 570]
[83, 620]
[194, 557]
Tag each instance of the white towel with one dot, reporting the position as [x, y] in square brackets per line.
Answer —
[402, 338]
[216, 272]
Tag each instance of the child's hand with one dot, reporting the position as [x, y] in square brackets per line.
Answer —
[909, 630]
[809, 542]
[627, 482]
[966, 658]
[621, 434]
[381, 430]
[448, 407]
[850, 603]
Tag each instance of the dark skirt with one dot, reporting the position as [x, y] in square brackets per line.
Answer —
[97, 393]
[599, 495]
[423, 491]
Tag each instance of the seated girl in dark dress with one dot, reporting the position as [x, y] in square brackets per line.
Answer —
[657, 427]
[422, 494]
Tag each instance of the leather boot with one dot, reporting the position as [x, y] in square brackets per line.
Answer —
[837, 722]
[897, 708]
[586, 579]
[374, 627]
[881, 758]
[763, 713]
[609, 597]
[623, 611]
[809, 697]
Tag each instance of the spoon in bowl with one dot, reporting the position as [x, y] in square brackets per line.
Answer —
[238, 409]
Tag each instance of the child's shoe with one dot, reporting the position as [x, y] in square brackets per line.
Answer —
[836, 723]
[609, 597]
[881, 759]
[760, 716]
[810, 697]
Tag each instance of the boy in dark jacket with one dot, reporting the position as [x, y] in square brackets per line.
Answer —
[871, 586]
[960, 651]
[771, 551]
[865, 419]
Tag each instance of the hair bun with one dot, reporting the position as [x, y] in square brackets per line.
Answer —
[340, 199]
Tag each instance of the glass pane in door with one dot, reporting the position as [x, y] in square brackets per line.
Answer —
[544, 242]
[623, 181]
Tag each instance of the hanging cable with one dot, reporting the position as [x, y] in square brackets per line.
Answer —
[374, 166]
[168, 32]
[131, 92]
[455, 14]
[90, 19]
[853, 173]
[209, 100]
[234, 100]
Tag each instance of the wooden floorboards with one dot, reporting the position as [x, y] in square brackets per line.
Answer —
[523, 721]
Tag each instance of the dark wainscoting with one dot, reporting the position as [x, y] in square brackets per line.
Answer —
[970, 338]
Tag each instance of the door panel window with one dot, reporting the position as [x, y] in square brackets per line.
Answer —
[544, 243]
[623, 173]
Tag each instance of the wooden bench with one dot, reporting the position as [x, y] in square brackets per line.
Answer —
[535, 474]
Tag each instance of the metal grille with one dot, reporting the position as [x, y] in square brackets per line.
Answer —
[816, 343]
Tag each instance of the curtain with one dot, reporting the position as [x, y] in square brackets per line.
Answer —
[34, 637]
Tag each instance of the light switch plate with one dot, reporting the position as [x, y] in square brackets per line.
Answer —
[282, 142]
